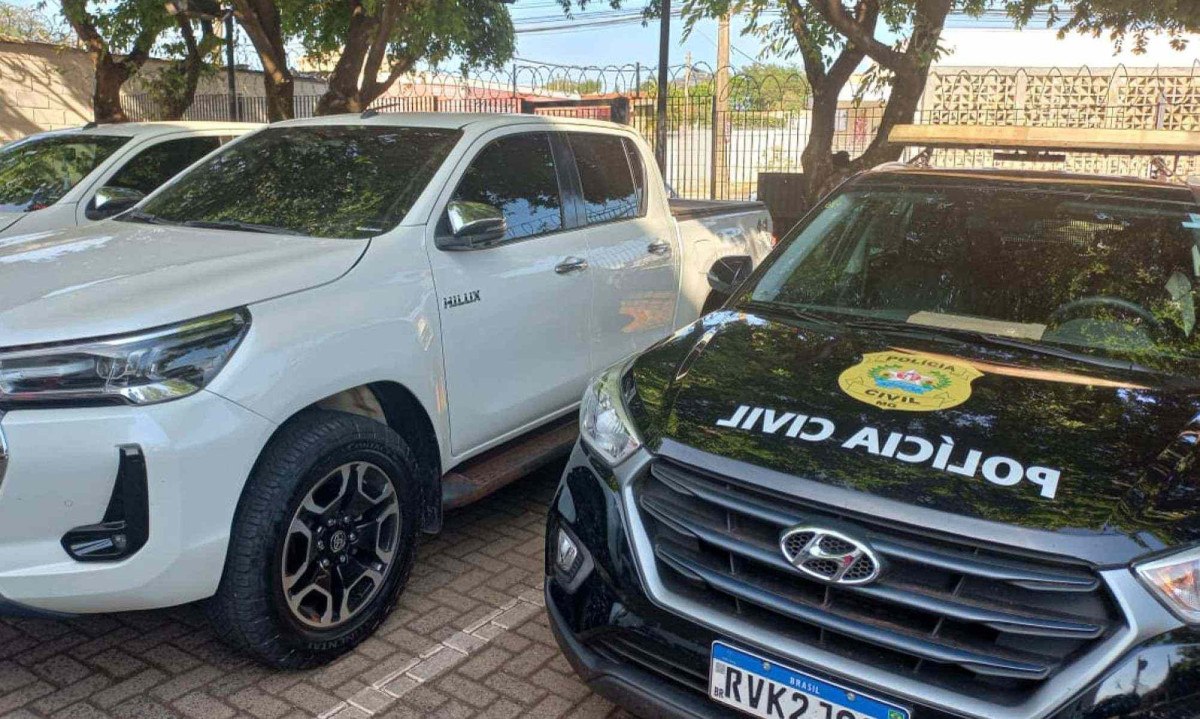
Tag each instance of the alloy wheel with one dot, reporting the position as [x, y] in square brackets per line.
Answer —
[340, 545]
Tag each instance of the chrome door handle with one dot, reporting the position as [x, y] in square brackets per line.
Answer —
[571, 264]
[659, 247]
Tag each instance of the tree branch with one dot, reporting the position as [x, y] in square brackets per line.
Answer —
[810, 50]
[84, 26]
[389, 13]
[142, 45]
[840, 18]
[372, 92]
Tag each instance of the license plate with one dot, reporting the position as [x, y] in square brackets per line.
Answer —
[765, 689]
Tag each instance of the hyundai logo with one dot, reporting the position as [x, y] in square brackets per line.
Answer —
[829, 556]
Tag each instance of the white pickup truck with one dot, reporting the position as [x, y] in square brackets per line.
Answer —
[263, 381]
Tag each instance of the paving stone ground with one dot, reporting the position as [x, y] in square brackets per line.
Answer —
[468, 639]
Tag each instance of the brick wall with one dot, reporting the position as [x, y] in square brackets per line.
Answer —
[42, 87]
[47, 87]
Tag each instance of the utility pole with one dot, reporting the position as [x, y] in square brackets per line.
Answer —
[664, 57]
[230, 67]
[719, 180]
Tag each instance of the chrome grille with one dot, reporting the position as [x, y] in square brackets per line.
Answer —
[959, 615]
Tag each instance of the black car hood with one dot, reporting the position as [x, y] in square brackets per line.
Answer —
[1019, 438]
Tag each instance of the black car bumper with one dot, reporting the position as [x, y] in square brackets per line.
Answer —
[624, 684]
[655, 663]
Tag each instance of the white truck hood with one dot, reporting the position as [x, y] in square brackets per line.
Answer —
[7, 218]
[119, 277]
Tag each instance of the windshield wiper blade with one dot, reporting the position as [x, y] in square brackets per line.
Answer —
[1063, 353]
[788, 311]
[146, 217]
[963, 335]
[241, 227]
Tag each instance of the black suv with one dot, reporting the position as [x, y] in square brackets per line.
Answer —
[937, 457]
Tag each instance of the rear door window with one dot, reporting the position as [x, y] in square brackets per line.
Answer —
[517, 175]
[607, 182]
[639, 173]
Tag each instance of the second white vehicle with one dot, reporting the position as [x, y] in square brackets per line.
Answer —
[66, 178]
[261, 383]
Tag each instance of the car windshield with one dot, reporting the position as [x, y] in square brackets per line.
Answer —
[1097, 273]
[38, 171]
[317, 180]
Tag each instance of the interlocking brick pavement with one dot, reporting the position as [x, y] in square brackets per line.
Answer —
[469, 639]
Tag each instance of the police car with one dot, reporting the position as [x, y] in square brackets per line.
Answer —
[936, 457]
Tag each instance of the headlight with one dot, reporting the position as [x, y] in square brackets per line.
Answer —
[1176, 581]
[142, 368]
[604, 422]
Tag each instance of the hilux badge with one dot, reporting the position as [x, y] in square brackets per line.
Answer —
[830, 556]
[909, 382]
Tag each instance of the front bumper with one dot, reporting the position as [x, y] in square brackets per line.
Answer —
[60, 475]
[653, 660]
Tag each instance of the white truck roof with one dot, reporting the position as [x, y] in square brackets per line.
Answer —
[150, 129]
[481, 121]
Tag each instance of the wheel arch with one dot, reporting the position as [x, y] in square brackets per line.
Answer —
[394, 405]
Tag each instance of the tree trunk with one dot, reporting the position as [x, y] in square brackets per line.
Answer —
[354, 83]
[909, 69]
[343, 93]
[261, 21]
[280, 89]
[106, 95]
[179, 97]
[817, 158]
[901, 109]
[111, 71]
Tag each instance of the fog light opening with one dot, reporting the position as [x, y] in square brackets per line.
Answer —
[566, 554]
[572, 564]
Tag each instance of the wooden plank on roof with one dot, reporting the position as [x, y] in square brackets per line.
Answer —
[1049, 139]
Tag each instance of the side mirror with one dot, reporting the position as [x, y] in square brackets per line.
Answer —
[728, 273]
[110, 200]
[473, 226]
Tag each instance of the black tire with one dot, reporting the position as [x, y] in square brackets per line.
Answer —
[249, 611]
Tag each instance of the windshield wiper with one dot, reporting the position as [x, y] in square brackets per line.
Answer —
[961, 335]
[242, 227]
[787, 311]
[146, 217]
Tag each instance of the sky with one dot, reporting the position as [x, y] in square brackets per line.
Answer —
[621, 44]
[601, 36]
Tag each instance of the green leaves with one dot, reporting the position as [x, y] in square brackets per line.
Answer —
[25, 23]
[478, 31]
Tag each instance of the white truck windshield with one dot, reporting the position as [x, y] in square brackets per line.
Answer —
[37, 172]
[319, 180]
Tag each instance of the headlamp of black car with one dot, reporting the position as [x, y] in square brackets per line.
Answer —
[140, 368]
[1175, 580]
[604, 422]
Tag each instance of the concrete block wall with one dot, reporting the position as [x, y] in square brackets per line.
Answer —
[49, 87]
[42, 87]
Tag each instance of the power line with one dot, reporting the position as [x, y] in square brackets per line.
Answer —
[581, 26]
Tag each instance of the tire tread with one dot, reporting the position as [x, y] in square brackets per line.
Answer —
[241, 609]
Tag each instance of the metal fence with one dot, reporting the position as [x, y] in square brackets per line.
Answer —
[144, 107]
[718, 145]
